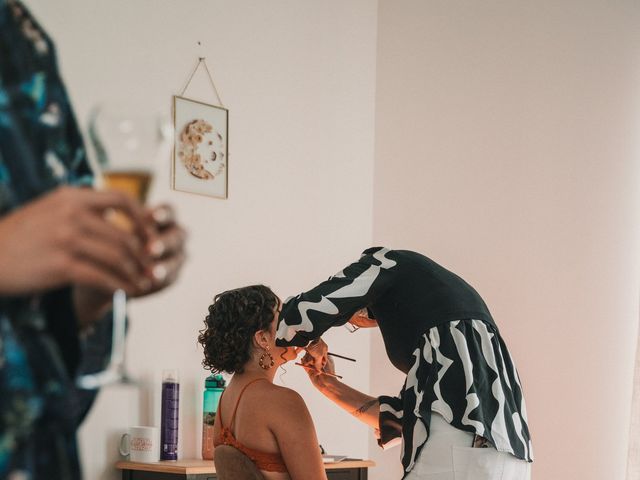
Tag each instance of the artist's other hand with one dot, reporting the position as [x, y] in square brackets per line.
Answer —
[318, 351]
[63, 238]
[361, 319]
[166, 248]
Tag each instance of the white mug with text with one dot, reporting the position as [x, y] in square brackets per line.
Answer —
[141, 444]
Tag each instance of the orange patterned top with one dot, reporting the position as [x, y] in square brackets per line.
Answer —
[268, 462]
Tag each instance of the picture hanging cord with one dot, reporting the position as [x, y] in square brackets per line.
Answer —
[202, 61]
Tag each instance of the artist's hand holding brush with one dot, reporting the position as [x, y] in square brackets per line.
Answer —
[318, 351]
[364, 407]
[318, 358]
[323, 377]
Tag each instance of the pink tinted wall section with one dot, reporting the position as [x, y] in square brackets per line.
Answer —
[507, 139]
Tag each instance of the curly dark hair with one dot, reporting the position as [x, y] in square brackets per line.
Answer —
[234, 317]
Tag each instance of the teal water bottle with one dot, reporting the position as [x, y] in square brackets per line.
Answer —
[214, 385]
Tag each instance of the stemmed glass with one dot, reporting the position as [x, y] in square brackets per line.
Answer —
[126, 143]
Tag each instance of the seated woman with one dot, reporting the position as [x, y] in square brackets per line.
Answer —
[268, 423]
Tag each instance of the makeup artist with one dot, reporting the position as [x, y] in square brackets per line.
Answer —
[461, 409]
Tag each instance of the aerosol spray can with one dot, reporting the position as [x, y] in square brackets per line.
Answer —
[169, 412]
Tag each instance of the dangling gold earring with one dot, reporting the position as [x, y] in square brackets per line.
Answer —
[266, 364]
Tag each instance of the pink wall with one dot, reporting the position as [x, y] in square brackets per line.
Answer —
[507, 142]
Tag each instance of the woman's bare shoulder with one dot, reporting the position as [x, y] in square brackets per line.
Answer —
[278, 391]
[281, 399]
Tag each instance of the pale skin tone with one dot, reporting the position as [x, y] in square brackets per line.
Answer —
[362, 406]
[271, 418]
[64, 239]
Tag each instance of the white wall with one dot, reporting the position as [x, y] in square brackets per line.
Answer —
[506, 148]
[507, 142]
[298, 78]
[633, 464]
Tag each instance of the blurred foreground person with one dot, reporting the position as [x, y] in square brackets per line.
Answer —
[60, 258]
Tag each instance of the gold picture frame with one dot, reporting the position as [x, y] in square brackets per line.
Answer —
[200, 157]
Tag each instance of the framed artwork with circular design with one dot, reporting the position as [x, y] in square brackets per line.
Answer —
[200, 152]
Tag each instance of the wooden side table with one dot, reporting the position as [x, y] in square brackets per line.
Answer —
[348, 469]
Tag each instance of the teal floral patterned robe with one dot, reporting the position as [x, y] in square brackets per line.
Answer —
[40, 349]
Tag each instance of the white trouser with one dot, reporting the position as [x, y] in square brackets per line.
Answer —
[448, 455]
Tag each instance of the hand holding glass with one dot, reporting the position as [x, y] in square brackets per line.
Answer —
[126, 145]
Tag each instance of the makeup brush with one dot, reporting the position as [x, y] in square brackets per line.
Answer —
[314, 342]
[324, 373]
[341, 356]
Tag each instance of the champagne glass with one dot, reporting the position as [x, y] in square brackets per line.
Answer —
[125, 144]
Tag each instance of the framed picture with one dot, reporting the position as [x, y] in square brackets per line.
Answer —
[200, 153]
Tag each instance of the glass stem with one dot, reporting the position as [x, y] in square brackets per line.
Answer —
[119, 329]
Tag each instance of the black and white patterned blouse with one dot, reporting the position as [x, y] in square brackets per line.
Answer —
[439, 332]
